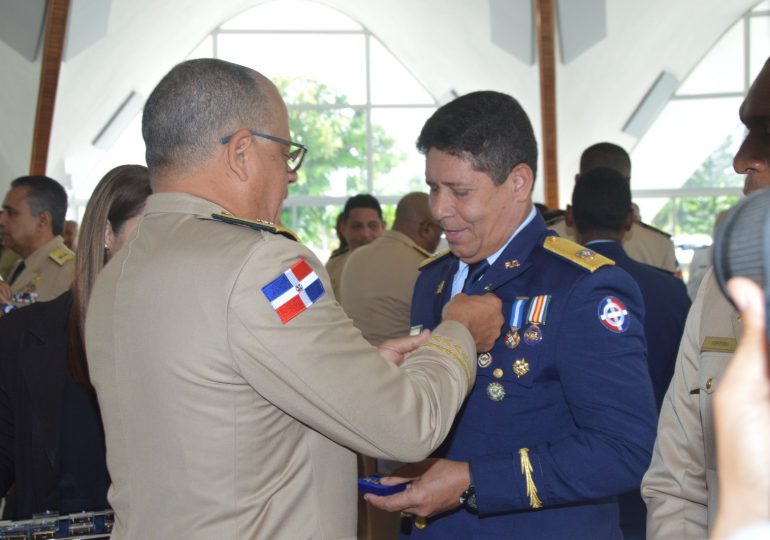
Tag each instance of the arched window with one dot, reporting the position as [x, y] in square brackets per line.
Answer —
[355, 107]
[696, 136]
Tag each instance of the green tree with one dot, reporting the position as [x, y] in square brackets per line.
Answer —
[697, 214]
[335, 134]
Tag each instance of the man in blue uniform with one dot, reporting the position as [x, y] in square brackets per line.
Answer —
[562, 416]
[601, 211]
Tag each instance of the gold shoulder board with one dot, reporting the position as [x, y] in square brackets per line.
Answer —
[256, 224]
[580, 255]
[719, 344]
[437, 257]
[61, 255]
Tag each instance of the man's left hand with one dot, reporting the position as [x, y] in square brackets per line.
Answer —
[436, 487]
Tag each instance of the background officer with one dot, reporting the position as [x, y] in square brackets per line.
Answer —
[31, 223]
[601, 211]
[642, 242]
[360, 223]
[562, 416]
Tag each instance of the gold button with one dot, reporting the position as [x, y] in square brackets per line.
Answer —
[497, 373]
[709, 383]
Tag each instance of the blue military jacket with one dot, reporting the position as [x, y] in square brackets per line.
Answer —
[579, 398]
[666, 306]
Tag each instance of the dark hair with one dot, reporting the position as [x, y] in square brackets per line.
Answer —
[488, 128]
[119, 196]
[601, 200]
[605, 154]
[196, 104]
[362, 200]
[45, 194]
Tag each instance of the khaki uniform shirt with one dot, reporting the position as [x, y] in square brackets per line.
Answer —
[377, 285]
[334, 267]
[8, 260]
[680, 487]
[48, 272]
[223, 422]
[642, 243]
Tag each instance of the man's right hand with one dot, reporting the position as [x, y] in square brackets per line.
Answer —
[481, 315]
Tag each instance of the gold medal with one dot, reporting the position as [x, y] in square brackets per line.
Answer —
[520, 367]
[533, 335]
[512, 338]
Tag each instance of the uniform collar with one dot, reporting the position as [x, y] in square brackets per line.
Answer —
[180, 203]
[511, 256]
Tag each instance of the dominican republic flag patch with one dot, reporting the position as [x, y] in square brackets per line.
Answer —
[294, 291]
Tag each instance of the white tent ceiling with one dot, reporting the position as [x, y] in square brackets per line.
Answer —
[446, 44]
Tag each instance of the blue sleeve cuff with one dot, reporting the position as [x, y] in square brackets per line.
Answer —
[500, 484]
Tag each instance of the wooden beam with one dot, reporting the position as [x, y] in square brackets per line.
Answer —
[546, 46]
[53, 45]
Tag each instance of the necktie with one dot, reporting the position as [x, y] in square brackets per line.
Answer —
[475, 271]
[16, 272]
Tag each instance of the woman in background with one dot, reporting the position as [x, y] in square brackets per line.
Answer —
[52, 453]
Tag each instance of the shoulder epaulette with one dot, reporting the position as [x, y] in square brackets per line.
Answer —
[580, 255]
[422, 250]
[437, 257]
[256, 224]
[653, 229]
[61, 255]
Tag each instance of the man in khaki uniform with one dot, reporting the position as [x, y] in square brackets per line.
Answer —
[32, 221]
[361, 223]
[680, 487]
[376, 293]
[378, 279]
[229, 379]
[642, 242]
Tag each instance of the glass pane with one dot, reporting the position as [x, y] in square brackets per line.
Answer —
[391, 82]
[717, 169]
[721, 70]
[398, 167]
[759, 48]
[291, 15]
[680, 140]
[314, 225]
[763, 6]
[695, 218]
[87, 170]
[204, 50]
[309, 56]
[335, 164]
[656, 211]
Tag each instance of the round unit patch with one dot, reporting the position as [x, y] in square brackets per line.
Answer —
[613, 315]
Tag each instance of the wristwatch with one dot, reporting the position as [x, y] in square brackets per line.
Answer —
[468, 499]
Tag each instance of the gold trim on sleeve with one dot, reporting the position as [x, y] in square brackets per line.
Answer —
[453, 350]
[526, 470]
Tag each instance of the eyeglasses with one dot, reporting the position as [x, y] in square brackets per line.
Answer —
[293, 159]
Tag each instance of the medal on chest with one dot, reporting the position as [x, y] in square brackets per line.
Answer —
[536, 316]
[512, 337]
